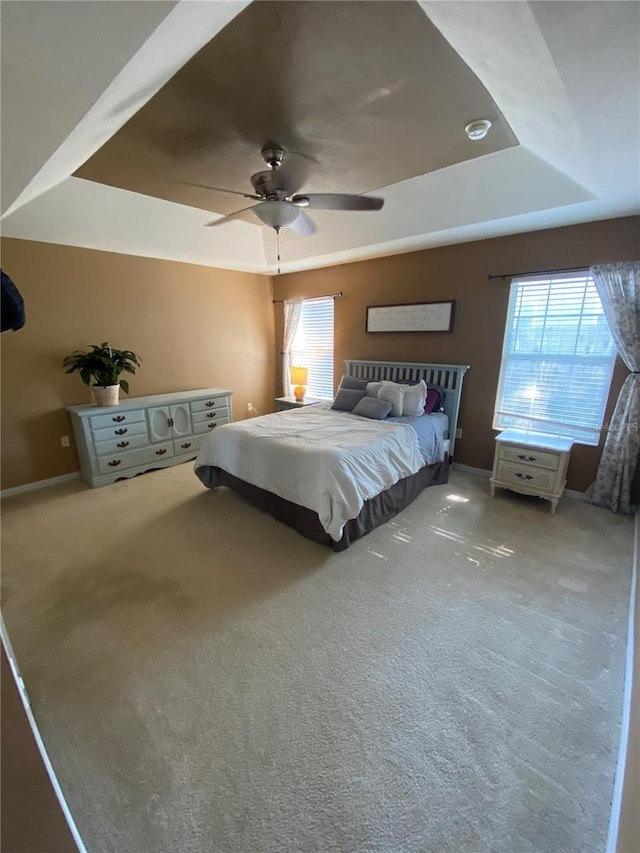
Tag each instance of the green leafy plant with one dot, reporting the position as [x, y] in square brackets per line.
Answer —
[102, 365]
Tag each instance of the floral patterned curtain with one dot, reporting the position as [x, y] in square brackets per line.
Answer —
[292, 314]
[619, 289]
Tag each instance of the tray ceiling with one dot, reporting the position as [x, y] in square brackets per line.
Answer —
[365, 94]
[97, 133]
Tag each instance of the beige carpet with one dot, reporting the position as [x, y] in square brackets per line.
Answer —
[207, 680]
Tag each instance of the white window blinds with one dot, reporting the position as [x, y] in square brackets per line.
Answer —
[557, 358]
[312, 346]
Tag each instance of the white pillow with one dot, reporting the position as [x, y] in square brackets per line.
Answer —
[415, 396]
[373, 388]
[393, 394]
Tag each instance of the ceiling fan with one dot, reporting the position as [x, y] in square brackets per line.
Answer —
[278, 206]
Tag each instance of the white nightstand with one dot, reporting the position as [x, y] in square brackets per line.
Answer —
[531, 463]
[283, 403]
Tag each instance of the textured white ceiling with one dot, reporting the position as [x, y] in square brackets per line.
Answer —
[565, 75]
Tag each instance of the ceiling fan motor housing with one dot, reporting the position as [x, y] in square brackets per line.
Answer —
[266, 185]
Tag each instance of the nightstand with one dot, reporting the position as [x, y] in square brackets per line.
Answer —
[284, 403]
[531, 463]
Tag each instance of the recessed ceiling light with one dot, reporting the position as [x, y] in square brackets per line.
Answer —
[478, 129]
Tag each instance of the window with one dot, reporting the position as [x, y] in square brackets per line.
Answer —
[312, 346]
[557, 358]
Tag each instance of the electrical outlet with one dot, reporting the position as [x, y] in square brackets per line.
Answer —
[249, 407]
[458, 433]
[65, 441]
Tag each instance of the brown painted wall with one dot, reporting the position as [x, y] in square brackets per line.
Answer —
[460, 272]
[199, 327]
[31, 815]
[193, 326]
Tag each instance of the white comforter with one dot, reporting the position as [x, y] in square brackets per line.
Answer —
[330, 462]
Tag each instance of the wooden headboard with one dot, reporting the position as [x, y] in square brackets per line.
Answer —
[449, 376]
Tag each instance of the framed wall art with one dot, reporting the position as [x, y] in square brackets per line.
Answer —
[412, 317]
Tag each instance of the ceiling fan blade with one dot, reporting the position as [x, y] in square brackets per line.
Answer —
[338, 201]
[303, 226]
[223, 220]
[219, 189]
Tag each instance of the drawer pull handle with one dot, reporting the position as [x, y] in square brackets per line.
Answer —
[121, 431]
[211, 426]
[118, 418]
[212, 414]
[186, 444]
[123, 444]
[115, 463]
[527, 458]
[210, 403]
[161, 452]
[523, 476]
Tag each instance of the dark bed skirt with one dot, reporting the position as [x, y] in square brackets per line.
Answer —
[375, 511]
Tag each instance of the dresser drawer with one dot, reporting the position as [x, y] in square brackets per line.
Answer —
[119, 432]
[133, 458]
[188, 445]
[540, 479]
[119, 445]
[529, 456]
[116, 419]
[211, 403]
[210, 415]
[207, 426]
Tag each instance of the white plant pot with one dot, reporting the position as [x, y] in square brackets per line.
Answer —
[107, 395]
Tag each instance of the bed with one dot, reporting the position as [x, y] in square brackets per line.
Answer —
[332, 475]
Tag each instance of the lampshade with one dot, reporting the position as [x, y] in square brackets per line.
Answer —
[277, 214]
[299, 375]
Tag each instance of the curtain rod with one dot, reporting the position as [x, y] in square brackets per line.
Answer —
[537, 272]
[327, 296]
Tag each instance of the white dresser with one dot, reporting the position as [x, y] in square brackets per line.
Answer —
[142, 433]
[531, 463]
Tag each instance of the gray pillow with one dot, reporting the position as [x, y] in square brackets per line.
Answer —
[352, 383]
[370, 407]
[347, 399]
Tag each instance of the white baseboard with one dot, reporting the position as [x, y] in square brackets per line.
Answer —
[483, 472]
[39, 484]
[577, 496]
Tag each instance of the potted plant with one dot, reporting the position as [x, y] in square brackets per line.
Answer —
[101, 367]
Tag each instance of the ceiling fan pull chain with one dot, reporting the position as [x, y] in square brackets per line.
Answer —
[277, 230]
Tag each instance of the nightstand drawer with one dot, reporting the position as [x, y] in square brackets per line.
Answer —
[284, 403]
[529, 456]
[525, 475]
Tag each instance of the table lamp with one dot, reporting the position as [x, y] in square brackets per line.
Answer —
[299, 377]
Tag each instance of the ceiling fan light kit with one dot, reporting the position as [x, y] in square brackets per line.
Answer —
[277, 214]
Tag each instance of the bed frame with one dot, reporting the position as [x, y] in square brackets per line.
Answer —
[448, 376]
[387, 504]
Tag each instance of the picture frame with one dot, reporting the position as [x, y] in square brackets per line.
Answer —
[411, 317]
